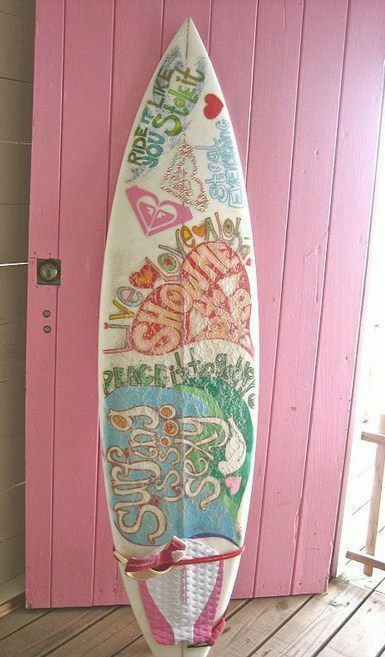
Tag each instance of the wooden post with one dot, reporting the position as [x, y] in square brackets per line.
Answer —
[375, 501]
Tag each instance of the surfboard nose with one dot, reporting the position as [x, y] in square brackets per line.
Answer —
[189, 40]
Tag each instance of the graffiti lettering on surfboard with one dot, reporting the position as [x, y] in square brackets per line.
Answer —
[225, 184]
[197, 290]
[239, 374]
[180, 444]
[174, 94]
[212, 300]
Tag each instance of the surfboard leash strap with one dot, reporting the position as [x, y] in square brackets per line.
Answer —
[171, 555]
[216, 632]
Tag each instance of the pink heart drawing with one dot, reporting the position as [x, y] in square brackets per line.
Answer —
[155, 216]
[233, 484]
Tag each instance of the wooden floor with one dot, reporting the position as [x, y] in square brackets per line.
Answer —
[347, 621]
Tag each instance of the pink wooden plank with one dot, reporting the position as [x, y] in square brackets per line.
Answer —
[85, 156]
[268, 180]
[309, 208]
[40, 374]
[235, 71]
[350, 220]
[133, 64]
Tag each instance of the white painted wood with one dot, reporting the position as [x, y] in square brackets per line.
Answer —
[14, 173]
[12, 352]
[16, 39]
[12, 512]
[369, 561]
[11, 589]
[14, 233]
[12, 427]
[13, 293]
[16, 71]
[15, 110]
[375, 501]
[378, 438]
[12, 558]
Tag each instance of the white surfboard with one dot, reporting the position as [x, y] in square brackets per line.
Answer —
[178, 357]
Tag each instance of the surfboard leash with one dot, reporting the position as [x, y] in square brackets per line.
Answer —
[172, 555]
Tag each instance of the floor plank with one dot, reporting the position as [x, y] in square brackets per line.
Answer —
[361, 490]
[103, 639]
[18, 619]
[381, 587]
[254, 623]
[50, 630]
[137, 648]
[355, 570]
[247, 624]
[347, 621]
[12, 604]
[363, 635]
[316, 622]
[12, 592]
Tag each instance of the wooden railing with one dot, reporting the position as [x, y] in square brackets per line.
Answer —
[369, 557]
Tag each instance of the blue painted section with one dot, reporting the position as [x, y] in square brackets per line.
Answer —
[142, 442]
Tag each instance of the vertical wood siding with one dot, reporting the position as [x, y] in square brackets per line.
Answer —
[16, 63]
[303, 82]
[301, 293]
[352, 199]
[41, 347]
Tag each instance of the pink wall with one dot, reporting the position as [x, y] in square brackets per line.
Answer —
[303, 81]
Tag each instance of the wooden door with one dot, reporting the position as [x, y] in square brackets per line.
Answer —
[303, 81]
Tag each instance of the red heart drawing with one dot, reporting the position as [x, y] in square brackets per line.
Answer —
[213, 106]
[145, 277]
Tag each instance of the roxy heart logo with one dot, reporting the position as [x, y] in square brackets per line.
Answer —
[153, 215]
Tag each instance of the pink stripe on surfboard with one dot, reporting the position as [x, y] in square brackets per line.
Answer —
[160, 627]
[203, 627]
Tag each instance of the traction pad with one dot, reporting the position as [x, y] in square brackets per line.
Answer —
[181, 604]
